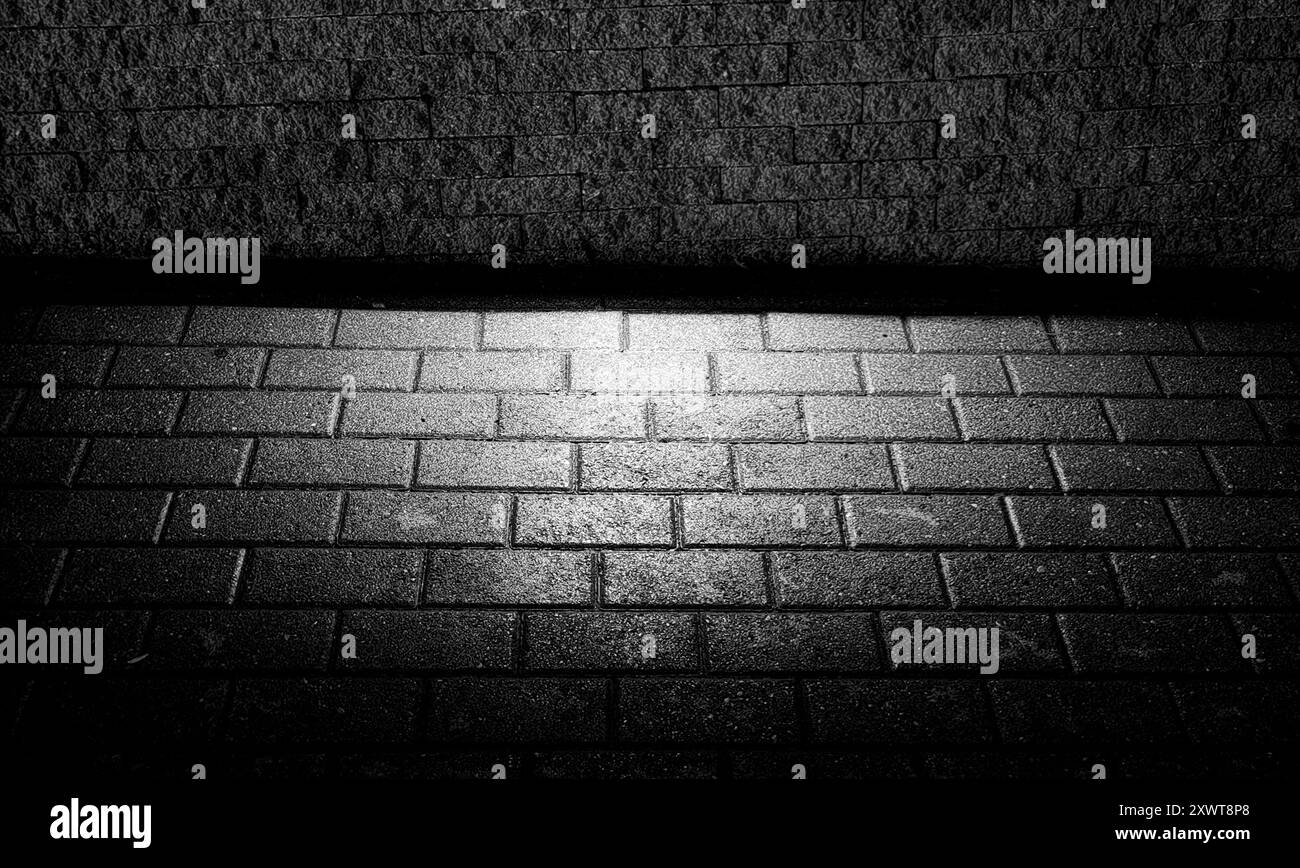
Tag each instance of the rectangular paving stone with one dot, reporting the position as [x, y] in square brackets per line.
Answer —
[1150, 644]
[968, 334]
[1257, 468]
[269, 413]
[42, 461]
[382, 370]
[1026, 642]
[293, 711]
[421, 517]
[919, 520]
[1238, 522]
[947, 467]
[655, 467]
[1168, 580]
[125, 324]
[743, 642]
[593, 519]
[760, 520]
[1277, 635]
[1081, 375]
[860, 579]
[683, 578]
[1281, 419]
[835, 467]
[187, 367]
[570, 416]
[255, 516]
[611, 642]
[127, 411]
[400, 415]
[113, 712]
[90, 516]
[819, 331]
[1058, 522]
[510, 577]
[1027, 580]
[261, 326]
[1087, 713]
[1112, 334]
[27, 574]
[707, 710]
[429, 640]
[833, 418]
[1132, 468]
[355, 463]
[558, 330]
[395, 330]
[1034, 419]
[1188, 420]
[694, 331]
[709, 417]
[330, 576]
[28, 364]
[195, 640]
[639, 372]
[516, 710]
[148, 576]
[926, 374]
[493, 464]
[897, 711]
[175, 461]
[1232, 712]
[1223, 375]
[496, 371]
[1247, 336]
[787, 372]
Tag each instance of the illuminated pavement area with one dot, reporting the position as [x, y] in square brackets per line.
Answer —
[329, 543]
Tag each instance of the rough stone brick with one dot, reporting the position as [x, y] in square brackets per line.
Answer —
[384, 329]
[171, 461]
[694, 331]
[1052, 522]
[573, 416]
[135, 324]
[418, 517]
[639, 372]
[492, 371]
[1026, 641]
[255, 516]
[684, 578]
[927, 374]
[420, 415]
[709, 417]
[512, 577]
[187, 367]
[848, 467]
[1022, 579]
[43, 461]
[593, 519]
[516, 710]
[1036, 419]
[786, 642]
[268, 413]
[101, 412]
[261, 326]
[503, 464]
[356, 463]
[1238, 522]
[1132, 468]
[1098, 375]
[240, 640]
[707, 710]
[941, 466]
[1150, 643]
[933, 334]
[610, 641]
[1084, 712]
[1257, 468]
[1206, 420]
[342, 577]
[915, 520]
[689, 67]
[91, 516]
[835, 418]
[325, 369]
[888, 59]
[287, 711]
[654, 467]
[1179, 580]
[759, 520]
[452, 641]
[554, 330]
[897, 711]
[28, 364]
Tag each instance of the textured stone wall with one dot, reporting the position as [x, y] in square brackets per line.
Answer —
[774, 126]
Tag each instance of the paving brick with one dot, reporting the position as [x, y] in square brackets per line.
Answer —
[1187, 420]
[287, 711]
[420, 415]
[1058, 522]
[419, 517]
[848, 467]
[878, 419]
[941, 466]
[492, 371]
[443, 641]
[512, 577]
[171, 461]
[1277, 640]
[388, 370]
[101, 412]
[501, 464]
[28, 364]
[639, 372]
[516, 710]
[611, 641]
[1224, 375]
[1132, 468]
[712, 710]
[1238, 522]
[861, 579]
[1110, 334]
[260, 326]
[187, 367]
[811, 331]
[566, 416]
[820, 765]
[1178, 580]
[626, 765]
[1150, 643]
[240, 640]
[917, 374]
[553, 330]
[91, 516]
[27, 574]
[333, 577]
[116, 712]
[424, 766]
[1036, 419]
[1238, 336]
[759, 520]
[255, 516]
[1257, 468]
[896, 711]
[593, 519]
[150, 576]
[124, 631]
[1027, 580]
[708, 417]
[269, 413]
[655, 467]
[384, 329]
[694, 331]
[1084, 712]
[787, 642]
[1091, 375]
[787, 372]
[135, 324]
[1281, 419]
[43, 461]
[684, 578]
[916, 520]
[387, 463]
[1219, 712]
[979, 334]
[1026, 641]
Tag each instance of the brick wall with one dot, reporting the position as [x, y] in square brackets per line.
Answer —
[775, 125]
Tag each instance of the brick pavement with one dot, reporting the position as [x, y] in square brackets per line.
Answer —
[509, 504]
